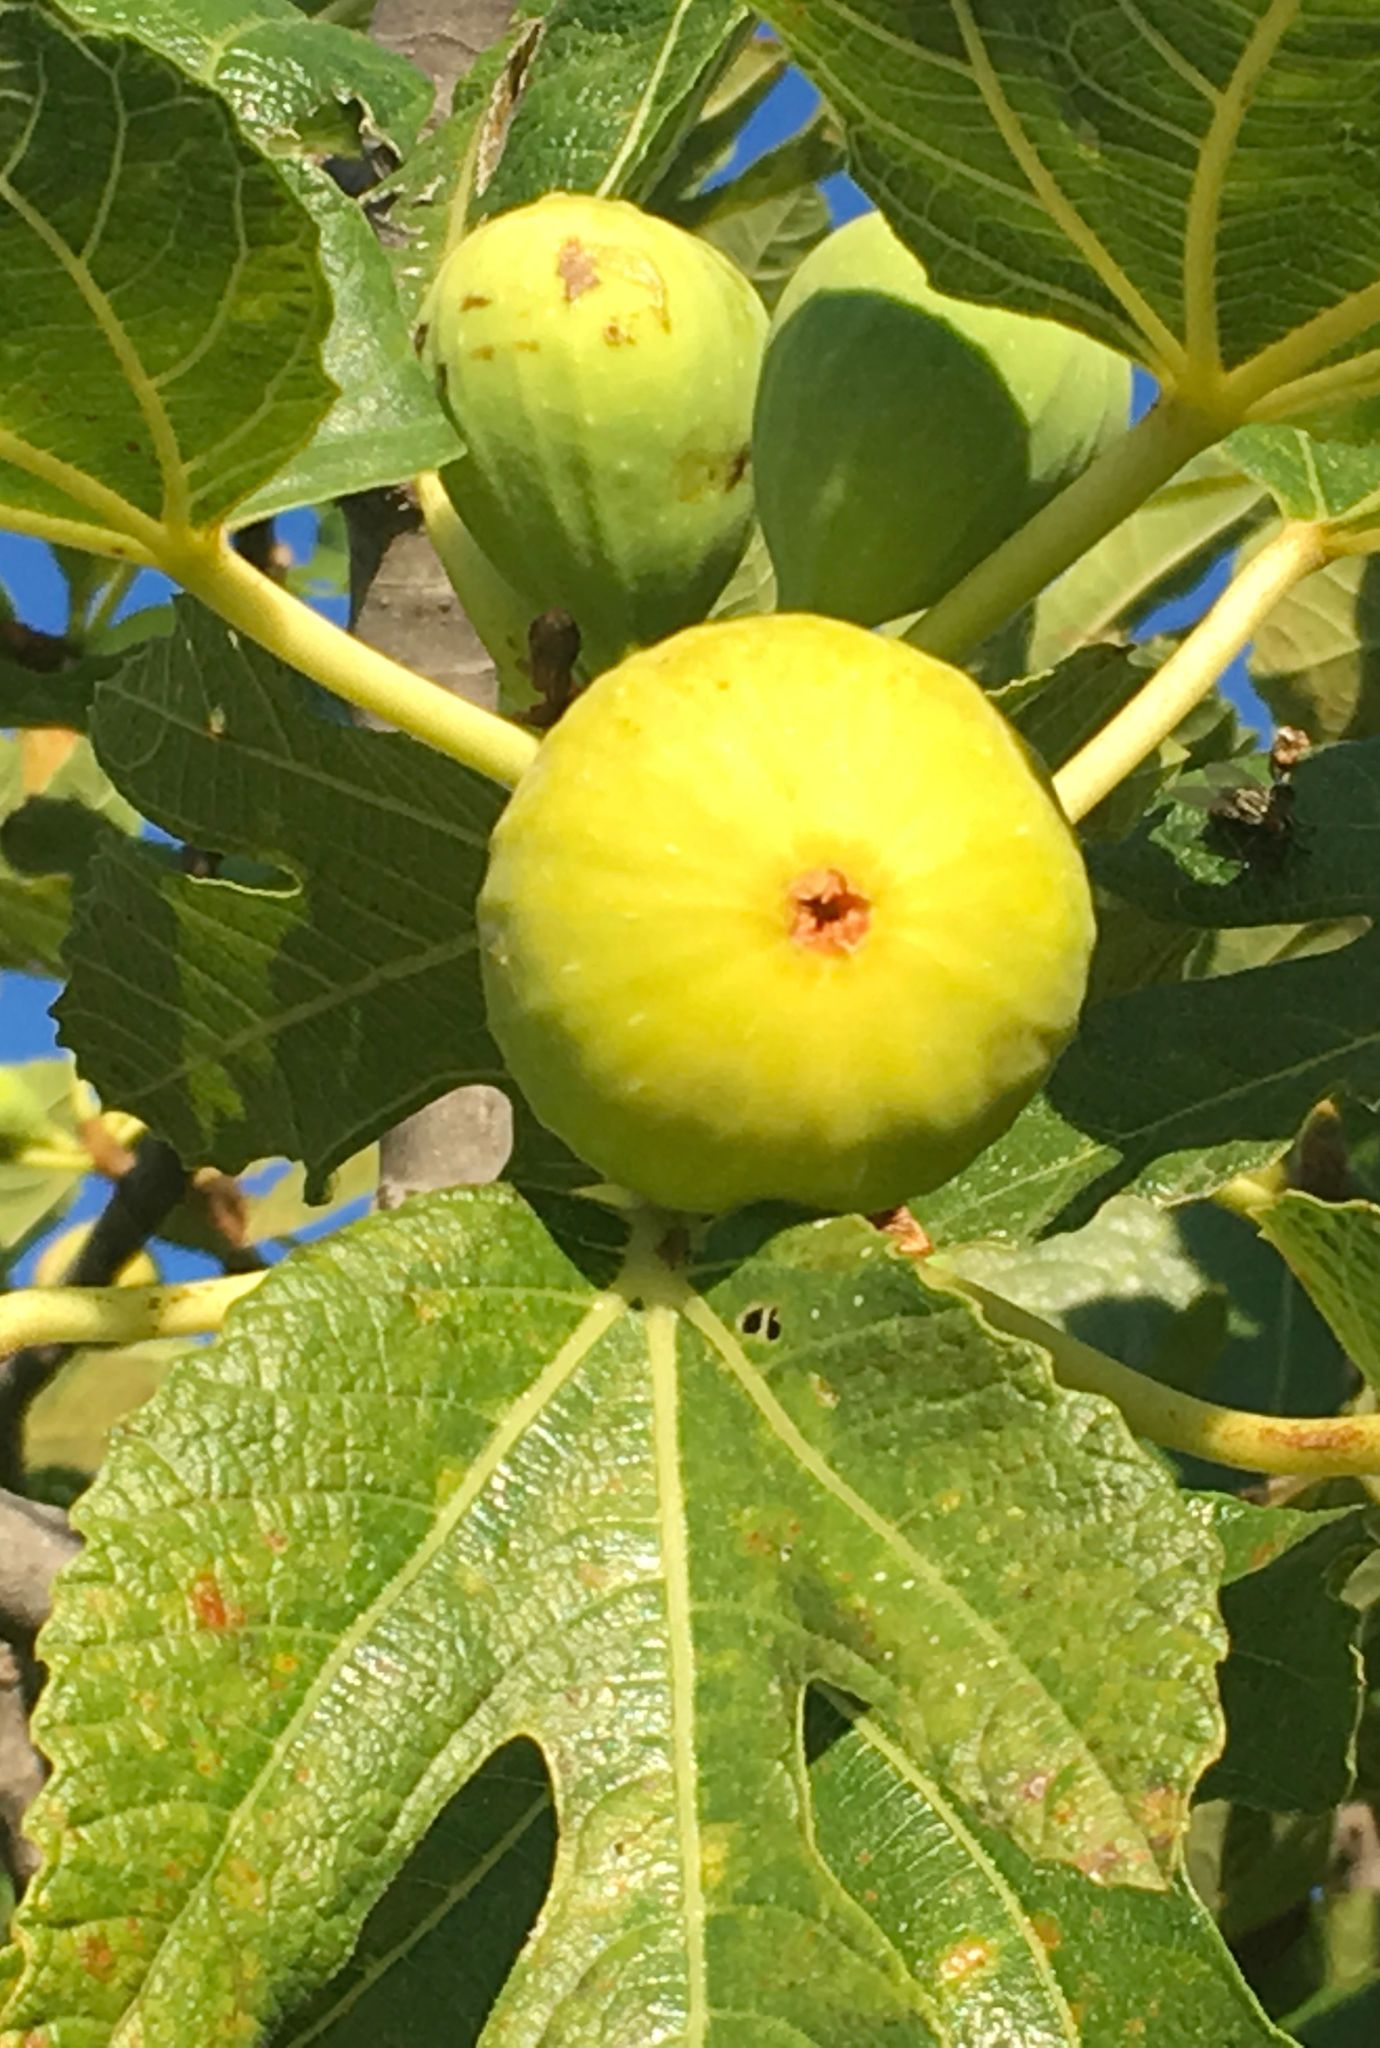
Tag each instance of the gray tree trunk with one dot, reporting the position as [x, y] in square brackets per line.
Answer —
[403, 604]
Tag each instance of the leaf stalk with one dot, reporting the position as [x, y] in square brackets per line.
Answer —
[1191, 671]
[117, 1315]
[207, 566]
[1110, 490]
[1328, 1446]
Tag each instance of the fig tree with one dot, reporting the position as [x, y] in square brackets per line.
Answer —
[782, 909]
[901, 435]
[600, 365]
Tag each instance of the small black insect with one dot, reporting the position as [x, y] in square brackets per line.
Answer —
[1254, 823]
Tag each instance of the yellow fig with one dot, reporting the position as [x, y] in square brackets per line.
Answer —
[600, 365]
[782, 909]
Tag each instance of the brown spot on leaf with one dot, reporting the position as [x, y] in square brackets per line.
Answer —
[96, 1957]
[576, 269]
[209, 1605]
[276, 1541]
[964, 1961]
[1046, 1930]
[825, 913]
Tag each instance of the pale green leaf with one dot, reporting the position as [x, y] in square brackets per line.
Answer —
[1334, 1248]
[75, 808]
[1026, 1956]
[1329, 480]
[32, 1196]
[769, 240]
[1314, 659]
[464, 1472]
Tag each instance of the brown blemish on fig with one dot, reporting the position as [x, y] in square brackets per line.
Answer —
[618, 336]
[576, 269]
[530, 348]
[473, 300]
[484, 354]
[826, 913]
[737, 469]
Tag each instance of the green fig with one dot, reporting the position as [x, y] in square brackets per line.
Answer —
[600, 365]
[901, 435]
[782, 909]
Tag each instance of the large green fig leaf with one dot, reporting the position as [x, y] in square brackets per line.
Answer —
[303, 1007]
[1323, 865]
[301, 89]
[161, 358]
[1171, 1090]
[1123, 169]
[476, 1470]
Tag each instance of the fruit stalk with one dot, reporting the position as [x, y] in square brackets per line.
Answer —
[1115, 486]
[210, 568]
[1191, 671]
[117, 1315]
[1329, 1446]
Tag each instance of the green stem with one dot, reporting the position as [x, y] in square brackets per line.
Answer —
[107, 603]
[116, 1315]
[1117, 484]
[1329, 1446]
[210, 568]
[1191, 671]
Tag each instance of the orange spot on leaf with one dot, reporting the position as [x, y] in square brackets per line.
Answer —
[96, 1957]
[209, 1605]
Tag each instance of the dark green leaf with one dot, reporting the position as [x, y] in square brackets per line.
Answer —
[1171, 1090]
[305, 1016]
[1320, 863]
[611, 88]
[1291, 1684]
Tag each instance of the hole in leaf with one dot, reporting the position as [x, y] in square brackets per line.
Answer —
[435, 1951]
[762, 1319]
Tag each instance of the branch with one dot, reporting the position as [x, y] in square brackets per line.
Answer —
[35, 1542]
[21, 1768]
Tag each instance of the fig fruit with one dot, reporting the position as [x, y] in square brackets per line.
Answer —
[901, 435]
[782, 909]
[600, 365]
